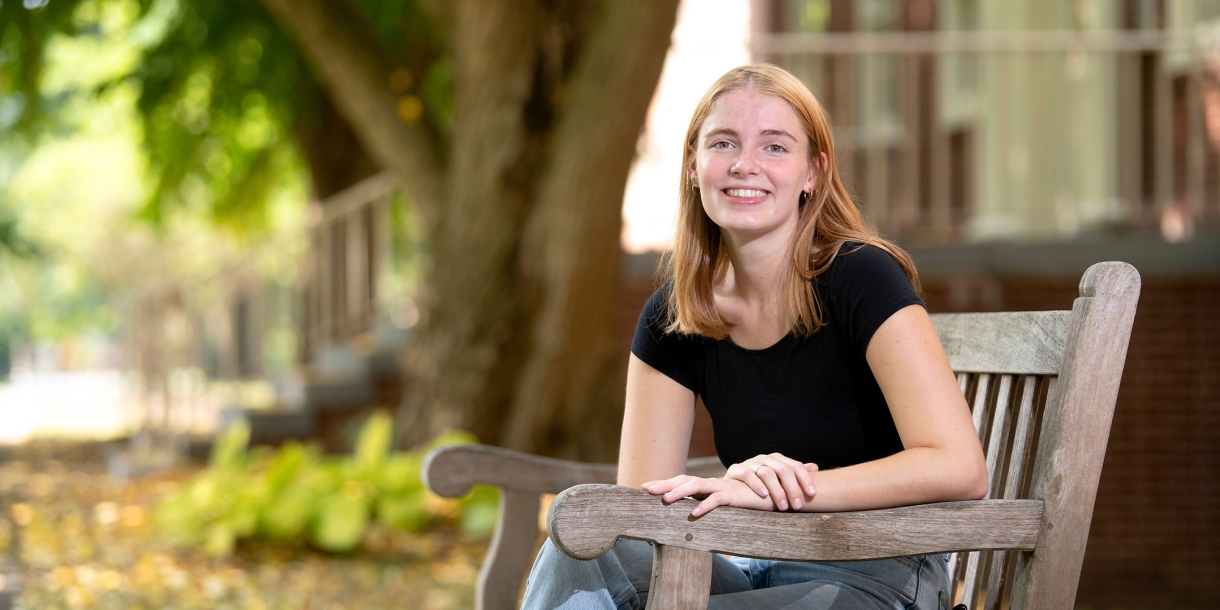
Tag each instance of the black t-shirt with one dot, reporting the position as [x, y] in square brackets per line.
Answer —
[813, 400]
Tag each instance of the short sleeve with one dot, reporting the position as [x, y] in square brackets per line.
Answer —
[673, 354]
[864, 286]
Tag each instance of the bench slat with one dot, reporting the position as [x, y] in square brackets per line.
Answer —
[1021, 343]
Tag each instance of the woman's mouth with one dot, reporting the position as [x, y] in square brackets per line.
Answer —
[745, 193]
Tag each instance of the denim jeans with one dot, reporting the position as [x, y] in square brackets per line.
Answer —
[619, 580]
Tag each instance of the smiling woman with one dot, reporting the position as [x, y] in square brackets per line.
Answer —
[751, 178]
[804, 334]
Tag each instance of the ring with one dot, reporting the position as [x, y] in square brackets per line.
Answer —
[756, 468]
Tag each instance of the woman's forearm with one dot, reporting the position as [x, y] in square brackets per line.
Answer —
[914, 476]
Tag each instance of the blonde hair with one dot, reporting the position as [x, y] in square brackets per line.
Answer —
[826, 219]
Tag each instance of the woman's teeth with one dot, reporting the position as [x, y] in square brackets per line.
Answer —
[745, 193]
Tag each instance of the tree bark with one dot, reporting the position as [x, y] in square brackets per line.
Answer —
[519, 339]
[570, 398]
[470, 302]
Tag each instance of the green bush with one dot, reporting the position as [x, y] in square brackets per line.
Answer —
[296, 493]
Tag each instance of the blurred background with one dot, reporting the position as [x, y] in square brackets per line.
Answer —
[279, 218]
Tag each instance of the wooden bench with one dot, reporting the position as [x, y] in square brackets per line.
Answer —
[1042, 388]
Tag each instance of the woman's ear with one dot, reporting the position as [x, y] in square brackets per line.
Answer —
[691, 174]
[816, 173]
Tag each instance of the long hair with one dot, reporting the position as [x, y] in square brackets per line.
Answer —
[826, 219]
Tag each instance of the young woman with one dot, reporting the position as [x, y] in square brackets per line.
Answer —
[804, 334]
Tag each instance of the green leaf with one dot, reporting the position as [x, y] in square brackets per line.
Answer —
[406, 512]
[230, 448]
[244, 517]
[285, 464]
[480, 509]
[341, 522]
[287, 515]
[373, 444]
[401, 473]
[220, 540]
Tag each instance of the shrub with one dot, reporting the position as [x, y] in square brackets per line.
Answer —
[296, 493]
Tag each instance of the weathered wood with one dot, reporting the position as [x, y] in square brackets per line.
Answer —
[510, 553]
[1021, 439]
[970, 584]
[978, 407]
[963, 382]
[451, 471]
[995, 580]
[955, 560]
[585, 521]
[998, 438]
[1026, 343]
[1075, 429]
[681, 579]
[1017, 458]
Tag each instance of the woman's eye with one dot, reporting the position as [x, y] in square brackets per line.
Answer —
[776, 148]
[720, 144]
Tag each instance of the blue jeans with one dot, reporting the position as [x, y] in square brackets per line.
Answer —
[619, 580]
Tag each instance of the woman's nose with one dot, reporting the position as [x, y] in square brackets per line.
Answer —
[745, 164]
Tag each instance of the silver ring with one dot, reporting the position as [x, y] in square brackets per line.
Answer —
[760, 466]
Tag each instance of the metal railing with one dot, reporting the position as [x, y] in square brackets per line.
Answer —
[952, 137]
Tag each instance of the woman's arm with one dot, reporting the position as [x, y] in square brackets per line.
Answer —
[942, 459]
[656, 426]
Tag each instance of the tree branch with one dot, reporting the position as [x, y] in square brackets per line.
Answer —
[354, 68]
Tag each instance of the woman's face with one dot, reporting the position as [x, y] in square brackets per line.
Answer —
[751, 162]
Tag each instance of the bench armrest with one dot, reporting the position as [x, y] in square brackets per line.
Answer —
[451, 471]
[585, 521]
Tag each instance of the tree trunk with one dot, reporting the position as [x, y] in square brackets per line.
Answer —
[570, 398]
[519, 339]
[471, 310]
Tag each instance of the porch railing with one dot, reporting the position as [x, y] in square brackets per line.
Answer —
[952, 137]
[342, 285]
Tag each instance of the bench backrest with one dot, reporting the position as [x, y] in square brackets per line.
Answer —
[1042, 388]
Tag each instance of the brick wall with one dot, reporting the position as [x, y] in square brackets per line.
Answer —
[1155, 539]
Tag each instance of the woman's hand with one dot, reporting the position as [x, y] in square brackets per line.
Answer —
[713, 492]
[783, 479]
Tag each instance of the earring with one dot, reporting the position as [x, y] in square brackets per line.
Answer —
[694, 184]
